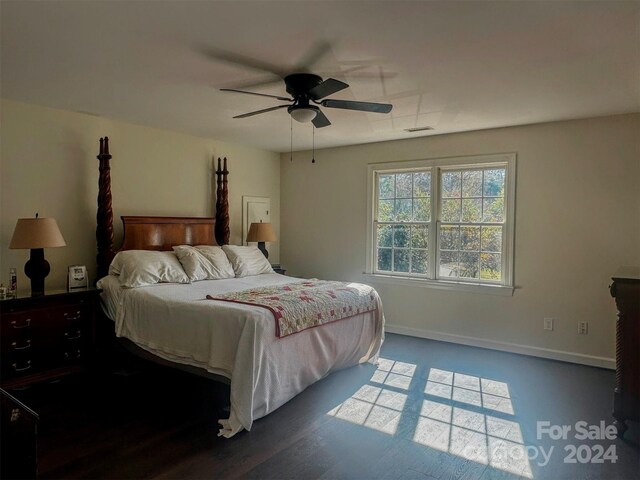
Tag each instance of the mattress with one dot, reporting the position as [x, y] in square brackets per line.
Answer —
[177, 323]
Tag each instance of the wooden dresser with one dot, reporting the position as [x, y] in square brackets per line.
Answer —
[46, 337]
[626, 290]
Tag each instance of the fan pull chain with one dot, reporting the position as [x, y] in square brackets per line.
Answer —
[313, 144]
[291, 146]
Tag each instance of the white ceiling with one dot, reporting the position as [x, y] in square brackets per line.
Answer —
[454, 66]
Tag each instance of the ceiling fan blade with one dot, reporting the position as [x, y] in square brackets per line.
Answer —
[321, 120]
[237, 59]
[284, 99]
[258, 82]
[311, 56]
[362, 106]
[326, 88]
[355, 72]
[257, 112]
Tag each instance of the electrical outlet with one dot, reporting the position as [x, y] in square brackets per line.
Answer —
[548, 324]
[583, 328]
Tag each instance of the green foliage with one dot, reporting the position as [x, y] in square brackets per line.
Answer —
[404, 182]
[472, 183]
[401, 235]
[451, 183]
[422, 184]
[387, 186]
[470, 238]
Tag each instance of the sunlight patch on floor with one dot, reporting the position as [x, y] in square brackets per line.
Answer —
[394, 374]
[478, 433]
[476, 436]
[372, 407]
[471, 390]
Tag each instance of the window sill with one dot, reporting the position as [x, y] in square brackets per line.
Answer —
[442, 284]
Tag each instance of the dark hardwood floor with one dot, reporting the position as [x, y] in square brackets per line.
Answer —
[430, 410]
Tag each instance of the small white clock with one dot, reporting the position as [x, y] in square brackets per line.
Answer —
[77, 277]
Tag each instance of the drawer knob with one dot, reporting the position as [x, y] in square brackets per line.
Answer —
[15, 415]
[21, 368]
[72, 335]
[73, 355]
[24, 346]
[25, 324]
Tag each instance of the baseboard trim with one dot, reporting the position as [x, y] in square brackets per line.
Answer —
[572, 357]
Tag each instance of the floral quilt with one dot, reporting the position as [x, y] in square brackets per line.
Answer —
[299, 306]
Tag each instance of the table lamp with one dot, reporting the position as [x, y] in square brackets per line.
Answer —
[36, 234]
[261, 232]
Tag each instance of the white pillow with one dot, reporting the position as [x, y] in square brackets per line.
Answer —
[204, 262]
[247, 260]
[139, 268]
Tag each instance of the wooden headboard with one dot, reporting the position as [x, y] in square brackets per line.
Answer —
[157, 233]
[162, 233]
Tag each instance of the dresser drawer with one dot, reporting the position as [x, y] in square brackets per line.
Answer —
[63, 325]
[21, 323]
[30, 361]
[46, 337]
[16, 365]
[45, 328]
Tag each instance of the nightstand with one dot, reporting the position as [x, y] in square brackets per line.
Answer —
[47, 336]
[278, 268]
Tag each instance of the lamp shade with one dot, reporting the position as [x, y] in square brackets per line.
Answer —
[36, 233]
[261, 232]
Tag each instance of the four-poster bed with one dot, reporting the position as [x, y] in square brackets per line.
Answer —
[204, 328]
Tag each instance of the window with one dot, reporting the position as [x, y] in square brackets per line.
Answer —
[448, 221]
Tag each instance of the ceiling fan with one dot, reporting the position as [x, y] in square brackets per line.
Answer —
[308, 91]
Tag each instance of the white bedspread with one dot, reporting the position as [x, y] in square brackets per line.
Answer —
[177, 323]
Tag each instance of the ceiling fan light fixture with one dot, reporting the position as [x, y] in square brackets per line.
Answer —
[303, 114]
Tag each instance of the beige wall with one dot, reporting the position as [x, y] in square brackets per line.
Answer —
[48, 165]
[577, 220]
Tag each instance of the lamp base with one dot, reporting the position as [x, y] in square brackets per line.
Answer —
[263, 249]
[37, 268]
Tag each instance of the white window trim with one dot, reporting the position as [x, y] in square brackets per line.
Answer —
[506, 286]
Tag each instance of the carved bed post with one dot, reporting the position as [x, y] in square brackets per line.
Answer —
[222, 230]
[104, 229]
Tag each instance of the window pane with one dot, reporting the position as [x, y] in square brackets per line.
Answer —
[385, 236]
[422, 209]
[469, 267]
[419, 261]
[403, 210]
[490, 266]
[472, 183]
[422, 184]
[386, 186]
[384, 259]
[470, 238]
[450, 237]
[385, 210]
[451, 210]
[472, 210]
[419, 236]
[403, 185]
[451, 184]
[494, 182]
[401, 235]
[493, 210]
[491, 239]
[448, 264]
[400, 260]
